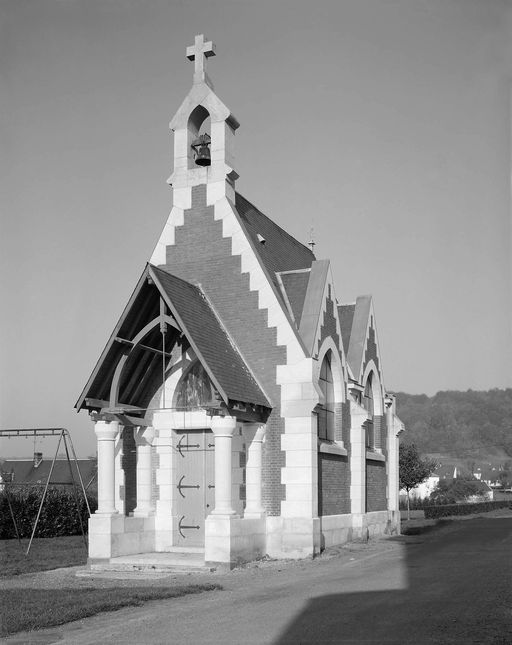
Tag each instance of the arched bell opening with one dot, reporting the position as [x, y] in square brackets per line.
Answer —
[199, 138]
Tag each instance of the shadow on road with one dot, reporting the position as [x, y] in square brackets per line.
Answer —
[456, 588]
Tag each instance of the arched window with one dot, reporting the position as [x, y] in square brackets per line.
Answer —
[326, 409]
[195, 389]
[368, 404]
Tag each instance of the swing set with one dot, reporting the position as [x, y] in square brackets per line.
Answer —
[65, 439]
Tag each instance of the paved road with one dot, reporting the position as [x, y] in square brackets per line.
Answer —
[449, 586]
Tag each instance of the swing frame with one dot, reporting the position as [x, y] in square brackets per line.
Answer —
[65, 438]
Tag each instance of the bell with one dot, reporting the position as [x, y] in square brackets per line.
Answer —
[201, 148]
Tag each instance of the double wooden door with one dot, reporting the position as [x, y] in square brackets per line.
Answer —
[195, 484]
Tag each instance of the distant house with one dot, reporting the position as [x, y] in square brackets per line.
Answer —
[35, 471]
[425, 489]
[489, 473]
[483, 492]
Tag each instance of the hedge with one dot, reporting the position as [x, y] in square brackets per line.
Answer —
[58, 516]
[445, 510]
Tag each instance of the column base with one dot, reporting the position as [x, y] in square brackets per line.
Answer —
[230, 541]
[106, 513]
[255, 515]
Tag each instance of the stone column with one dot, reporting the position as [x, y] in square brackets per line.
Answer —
[255, 433]
[144, 438]
[106, 433]
[357, 466]
[223, 429]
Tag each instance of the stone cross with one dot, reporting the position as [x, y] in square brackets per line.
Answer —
[198, 52]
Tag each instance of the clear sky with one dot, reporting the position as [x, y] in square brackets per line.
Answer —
[384, 124]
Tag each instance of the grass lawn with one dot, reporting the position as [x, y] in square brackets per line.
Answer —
[28, 609]
[45, 553]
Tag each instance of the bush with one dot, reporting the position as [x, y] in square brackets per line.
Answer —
[58, 516]
[445, 510]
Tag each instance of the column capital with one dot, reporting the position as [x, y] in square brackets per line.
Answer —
[223, 426]
[106, 430]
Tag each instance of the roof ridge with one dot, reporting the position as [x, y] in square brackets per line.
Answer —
[275, 224]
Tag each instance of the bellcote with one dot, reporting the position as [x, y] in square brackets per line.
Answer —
[201, 115]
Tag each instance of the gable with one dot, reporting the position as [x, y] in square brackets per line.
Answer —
[346, 316]
[138, 365]
[294, 286]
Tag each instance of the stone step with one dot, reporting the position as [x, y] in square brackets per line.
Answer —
[179, 560]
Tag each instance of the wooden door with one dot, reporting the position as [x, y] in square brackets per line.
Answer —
[194, 480]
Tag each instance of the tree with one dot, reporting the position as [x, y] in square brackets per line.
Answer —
[451, 491]
[413, 469]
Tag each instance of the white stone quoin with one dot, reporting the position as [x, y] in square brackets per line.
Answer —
[106, 433]
[357, 465]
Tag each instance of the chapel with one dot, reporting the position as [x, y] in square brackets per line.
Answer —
[239, 405]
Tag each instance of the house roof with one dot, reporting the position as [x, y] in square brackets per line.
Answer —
[200, 325]
[26, 472]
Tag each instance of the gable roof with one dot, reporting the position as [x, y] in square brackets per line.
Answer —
[358, 334]
[279, 251]
[294, 285]
[209, 339]
[200, 325]
[313, 303]
[346, 316]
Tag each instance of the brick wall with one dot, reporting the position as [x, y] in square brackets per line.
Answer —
[333, 485]
[201, 255]
[375, 486]
[129, 465]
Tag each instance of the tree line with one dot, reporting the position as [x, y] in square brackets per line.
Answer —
[469, 425]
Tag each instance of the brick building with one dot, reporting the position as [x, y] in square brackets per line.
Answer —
[239, 408]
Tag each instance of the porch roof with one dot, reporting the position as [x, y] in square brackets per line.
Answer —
[196, 321]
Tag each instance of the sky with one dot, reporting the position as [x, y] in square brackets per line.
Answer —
[383, 124]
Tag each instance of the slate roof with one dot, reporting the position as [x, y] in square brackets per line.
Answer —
[358, 334]
[346, 316]
[295, 285]
[280, 251]
[25, 471]
[204, 331]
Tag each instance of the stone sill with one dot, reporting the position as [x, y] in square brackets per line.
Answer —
[332, 448]
[375, 456]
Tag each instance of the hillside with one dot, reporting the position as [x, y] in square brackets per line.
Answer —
[468, 425]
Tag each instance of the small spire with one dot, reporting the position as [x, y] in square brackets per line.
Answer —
[199, 52]
[311, 242]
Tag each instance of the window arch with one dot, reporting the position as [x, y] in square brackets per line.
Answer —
[369, 405]
[326, 408]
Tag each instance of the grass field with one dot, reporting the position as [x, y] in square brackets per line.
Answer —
[26, 607]
[45, 554]
[30, 609]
